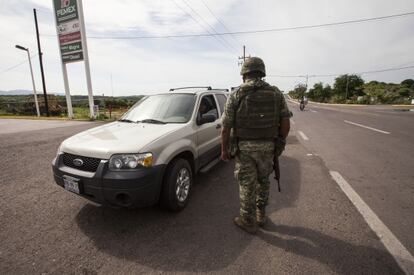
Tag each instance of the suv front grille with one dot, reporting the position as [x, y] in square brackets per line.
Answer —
[88, 164]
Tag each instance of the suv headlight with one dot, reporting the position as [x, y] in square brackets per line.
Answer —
[130, 161]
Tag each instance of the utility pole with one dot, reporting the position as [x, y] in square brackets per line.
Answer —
[307, 78]
[112, 87]
[41, 64]
[243, 57]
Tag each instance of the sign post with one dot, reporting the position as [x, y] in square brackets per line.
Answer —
[72, 44]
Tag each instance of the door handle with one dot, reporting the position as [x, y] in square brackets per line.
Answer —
[218, 126]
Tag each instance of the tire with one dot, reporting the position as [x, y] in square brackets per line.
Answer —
[177, 185]
[302, 106]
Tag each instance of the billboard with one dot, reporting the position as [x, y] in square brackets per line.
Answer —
[68, 30]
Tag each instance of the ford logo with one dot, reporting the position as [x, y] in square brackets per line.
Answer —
[77, 162]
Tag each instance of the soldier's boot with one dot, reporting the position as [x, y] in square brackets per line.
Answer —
[250, 228]
[261, 217]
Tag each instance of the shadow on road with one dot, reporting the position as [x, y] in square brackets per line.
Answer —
[203, 238]
[290, 182]
[340, 256]
[200, 238]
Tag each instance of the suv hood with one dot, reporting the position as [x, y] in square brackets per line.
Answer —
[114, 138]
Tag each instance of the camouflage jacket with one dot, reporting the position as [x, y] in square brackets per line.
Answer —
[229, 119]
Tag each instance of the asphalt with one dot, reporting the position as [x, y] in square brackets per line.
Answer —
[378, 166]
[313, 227]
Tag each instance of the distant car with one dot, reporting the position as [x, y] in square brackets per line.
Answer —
[150, 155]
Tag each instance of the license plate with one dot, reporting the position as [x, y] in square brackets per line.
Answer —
[71, 184]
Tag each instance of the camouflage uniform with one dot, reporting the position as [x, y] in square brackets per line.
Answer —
[254, 158]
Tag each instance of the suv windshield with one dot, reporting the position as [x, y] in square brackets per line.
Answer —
[165, 108]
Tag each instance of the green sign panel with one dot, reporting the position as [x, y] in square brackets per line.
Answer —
[72, 47]
[65, 10]
[72, 57]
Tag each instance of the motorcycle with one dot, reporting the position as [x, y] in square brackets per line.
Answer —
[302, 105]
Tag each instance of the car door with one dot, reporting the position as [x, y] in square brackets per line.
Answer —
[208, 134]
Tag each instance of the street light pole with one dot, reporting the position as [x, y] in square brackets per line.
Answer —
[31, 72]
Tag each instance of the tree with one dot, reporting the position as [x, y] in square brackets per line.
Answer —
[298, 91]
[354, 83]
[408, 83]
[320, 93]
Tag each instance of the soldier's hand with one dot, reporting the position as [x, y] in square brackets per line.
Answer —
[225, 156]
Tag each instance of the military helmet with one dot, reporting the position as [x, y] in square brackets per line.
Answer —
[253, 64]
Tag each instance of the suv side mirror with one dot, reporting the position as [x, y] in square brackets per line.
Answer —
[206, 118]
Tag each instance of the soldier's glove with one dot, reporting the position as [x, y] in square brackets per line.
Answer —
[280, 146]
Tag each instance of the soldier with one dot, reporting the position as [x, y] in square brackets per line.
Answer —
[255, 126]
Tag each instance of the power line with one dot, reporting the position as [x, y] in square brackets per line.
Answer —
[386, 70]
[209, 34]
[17, 65]
[221, 22]
[211, 27]
[333, 75]
[195, 20]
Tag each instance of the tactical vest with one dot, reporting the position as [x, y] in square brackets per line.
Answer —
[256, 115]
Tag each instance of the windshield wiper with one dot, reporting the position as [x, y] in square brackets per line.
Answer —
[150, 120]
[126, 120]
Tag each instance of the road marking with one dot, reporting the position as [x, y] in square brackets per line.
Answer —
[403, 257]
[304, 137]
[367, 127]
[292, 121]
[313, 111]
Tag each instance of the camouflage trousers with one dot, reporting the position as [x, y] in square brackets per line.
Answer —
[252, 170]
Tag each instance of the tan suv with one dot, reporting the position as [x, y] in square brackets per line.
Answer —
[150, 155]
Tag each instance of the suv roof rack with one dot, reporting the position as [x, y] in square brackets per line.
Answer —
[218, 89]
[193, 87]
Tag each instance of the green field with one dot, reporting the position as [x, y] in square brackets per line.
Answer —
[110, 108]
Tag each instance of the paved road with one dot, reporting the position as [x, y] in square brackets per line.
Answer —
[378, 162]
[8, 126]
[314, 228]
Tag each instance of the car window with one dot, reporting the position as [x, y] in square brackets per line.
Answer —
[207, 106]
[222, 101]
[168, 108]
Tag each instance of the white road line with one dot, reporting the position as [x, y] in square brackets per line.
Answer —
[304, 137]
[367, 127]
[403, 257]
[292, 121]
[313, 111]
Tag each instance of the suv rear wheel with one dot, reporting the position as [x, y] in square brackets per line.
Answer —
[177, 185]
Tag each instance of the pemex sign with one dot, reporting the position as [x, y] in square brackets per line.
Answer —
[69, 30]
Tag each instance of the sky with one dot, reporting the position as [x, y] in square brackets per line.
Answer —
[122, 67]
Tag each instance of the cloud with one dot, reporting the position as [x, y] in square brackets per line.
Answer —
[144, 65]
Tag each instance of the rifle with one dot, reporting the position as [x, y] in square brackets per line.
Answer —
[277, 170]
[280, 144]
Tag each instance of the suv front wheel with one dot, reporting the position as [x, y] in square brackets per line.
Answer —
[177, 185]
